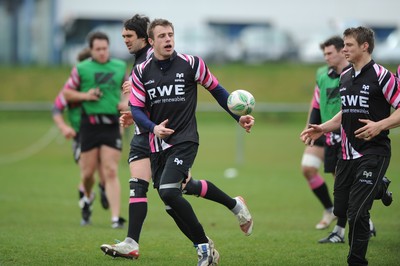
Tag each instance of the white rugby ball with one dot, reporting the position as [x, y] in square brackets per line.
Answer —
[241, 102]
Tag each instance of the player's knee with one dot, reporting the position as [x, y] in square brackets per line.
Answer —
[169, 194]
[138, 188]
[309, 172]
[310, 164]
[193, 187]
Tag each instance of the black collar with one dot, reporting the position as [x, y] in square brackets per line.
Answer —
[172, 57]
[142, 51]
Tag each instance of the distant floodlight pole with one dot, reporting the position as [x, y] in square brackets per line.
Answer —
[239, 145]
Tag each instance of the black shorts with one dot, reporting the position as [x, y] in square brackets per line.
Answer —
[356, 184]
[331, 156]
[140, 147]
[320, 142]
[172, 165]
[76, 148]
[96, 135]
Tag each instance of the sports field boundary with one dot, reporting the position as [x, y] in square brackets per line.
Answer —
[201, 107]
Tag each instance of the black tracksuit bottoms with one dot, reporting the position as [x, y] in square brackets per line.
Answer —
[356, 184]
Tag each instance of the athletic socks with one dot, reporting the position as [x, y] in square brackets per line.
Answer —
[322, 193]
[208, 190]
[137, 207]
[183, 215]
[339, 230]
[237, 207]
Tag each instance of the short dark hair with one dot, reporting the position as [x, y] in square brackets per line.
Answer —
[362, 35]
[84, 54]
[336, 41]
[158, 22]
[97, 35]
[138, 23]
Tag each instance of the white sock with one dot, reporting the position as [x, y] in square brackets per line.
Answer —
[237, 207]
[130, 241]
[86, 199]
[339, 230]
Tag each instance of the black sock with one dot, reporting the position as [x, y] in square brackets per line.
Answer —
[183, 210]
[322, 194]
[182, 226]
[137, 207]
[81, 194]
[209, 191]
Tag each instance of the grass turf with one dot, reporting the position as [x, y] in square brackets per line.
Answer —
[40, 215]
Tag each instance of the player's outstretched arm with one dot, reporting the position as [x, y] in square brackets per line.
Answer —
[246, 122]
[313, 132]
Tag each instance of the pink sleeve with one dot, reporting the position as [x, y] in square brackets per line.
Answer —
[60, 102]
[316, 99]
[137, 96]
[205, 77]
[73, 81]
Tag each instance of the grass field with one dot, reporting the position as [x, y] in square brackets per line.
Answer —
[288, 82]
[268, 83]
[40, 216]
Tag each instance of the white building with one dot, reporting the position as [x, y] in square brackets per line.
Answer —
[32, 30]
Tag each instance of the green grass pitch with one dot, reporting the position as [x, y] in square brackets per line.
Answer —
[39, 212]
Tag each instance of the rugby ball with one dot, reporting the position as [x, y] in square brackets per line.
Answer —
[241, 102]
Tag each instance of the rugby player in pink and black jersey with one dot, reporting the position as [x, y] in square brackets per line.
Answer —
[164, 100]
[368, 92]
[325, 105]
[136, 39]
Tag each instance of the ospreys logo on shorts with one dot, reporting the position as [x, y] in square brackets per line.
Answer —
[367, 174]
[367, 178]
[178, 162]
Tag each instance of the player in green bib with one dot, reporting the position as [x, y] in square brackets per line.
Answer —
[71, 130]
[96, 84]
[325, 103]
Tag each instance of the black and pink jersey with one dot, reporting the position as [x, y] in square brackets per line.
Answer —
[169, 91]
[141, 56]
[368, 95]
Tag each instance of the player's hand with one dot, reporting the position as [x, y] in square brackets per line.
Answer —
[367, 132]
[162, 131]
[311, 134]
[93, 94]
[68, 132]
[246, 122]
[126, 87]
[126, 119]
